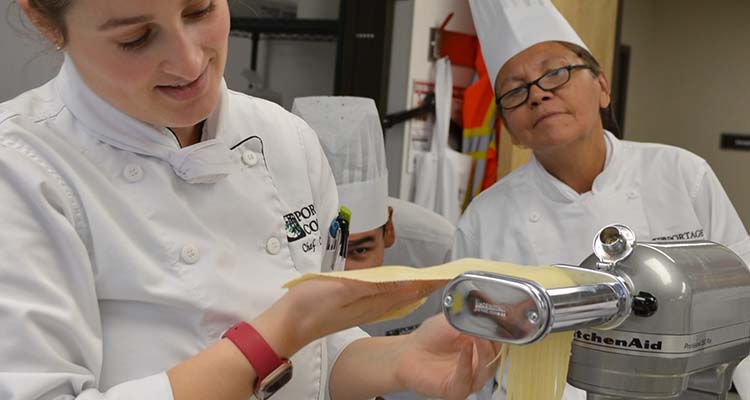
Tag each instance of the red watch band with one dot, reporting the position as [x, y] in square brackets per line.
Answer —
[257, 351]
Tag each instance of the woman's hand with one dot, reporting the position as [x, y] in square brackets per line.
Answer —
[318, 307]
[436, 360]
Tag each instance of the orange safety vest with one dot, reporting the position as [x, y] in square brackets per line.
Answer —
[481, 131]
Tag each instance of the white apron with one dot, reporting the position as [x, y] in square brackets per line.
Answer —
[441, 175]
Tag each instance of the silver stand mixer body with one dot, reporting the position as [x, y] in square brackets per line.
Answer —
[690, 345]
[659, 321]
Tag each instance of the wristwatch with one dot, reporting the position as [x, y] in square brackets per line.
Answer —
[272, 371]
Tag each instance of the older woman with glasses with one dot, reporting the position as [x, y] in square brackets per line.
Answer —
[551, 94]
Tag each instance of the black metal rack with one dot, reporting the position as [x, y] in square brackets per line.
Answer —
[321, 27]
[284, 29]
[362, 35]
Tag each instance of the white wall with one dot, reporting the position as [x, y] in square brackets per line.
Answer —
[26, 60]
[689, 81]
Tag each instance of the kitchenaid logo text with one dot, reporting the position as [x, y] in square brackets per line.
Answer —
[630, 343]
[690, 235]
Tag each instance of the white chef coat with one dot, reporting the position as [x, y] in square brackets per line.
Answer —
[115, 267]
[423, 237]
[661, 192]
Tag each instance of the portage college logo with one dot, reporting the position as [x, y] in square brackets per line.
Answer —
[300, 224]
[294, 230]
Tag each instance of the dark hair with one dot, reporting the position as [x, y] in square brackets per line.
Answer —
[607, 114]
[584, 55]
[53, 12]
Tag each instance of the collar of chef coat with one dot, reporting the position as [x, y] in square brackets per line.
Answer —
[561, 192]
[205, 162]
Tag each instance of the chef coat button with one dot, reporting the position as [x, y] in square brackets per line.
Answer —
[190, 254]
[534, 217]
[273, 246]
[632, 194]
[249, 158]
[132, 173]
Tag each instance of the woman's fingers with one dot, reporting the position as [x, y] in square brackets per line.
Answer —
[485, 368]
[460, 386]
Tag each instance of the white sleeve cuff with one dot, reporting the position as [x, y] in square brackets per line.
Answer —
[154, 387]
[741, 378]
[335, 344]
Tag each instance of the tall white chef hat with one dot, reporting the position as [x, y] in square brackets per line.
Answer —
[352, 138]
[508, 27]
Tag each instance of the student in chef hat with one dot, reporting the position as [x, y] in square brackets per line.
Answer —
[352, 138]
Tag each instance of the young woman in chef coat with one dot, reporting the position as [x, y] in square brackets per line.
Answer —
[147, 210]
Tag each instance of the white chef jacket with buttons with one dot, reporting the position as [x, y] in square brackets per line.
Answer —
[122, 254]
[423, 237]
[661, 192]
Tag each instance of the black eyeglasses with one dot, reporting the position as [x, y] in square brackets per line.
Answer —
[549, 81]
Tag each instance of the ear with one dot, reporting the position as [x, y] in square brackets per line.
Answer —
[389, 234]
[25, 6]
[42, 24]
[605, 96]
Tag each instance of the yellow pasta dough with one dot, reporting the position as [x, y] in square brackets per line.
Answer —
[546, 276]
[535, 371]
[539, 370]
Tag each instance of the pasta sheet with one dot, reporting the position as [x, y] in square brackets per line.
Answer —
[536, 371]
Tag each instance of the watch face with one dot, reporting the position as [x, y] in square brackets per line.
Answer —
[274, 381]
